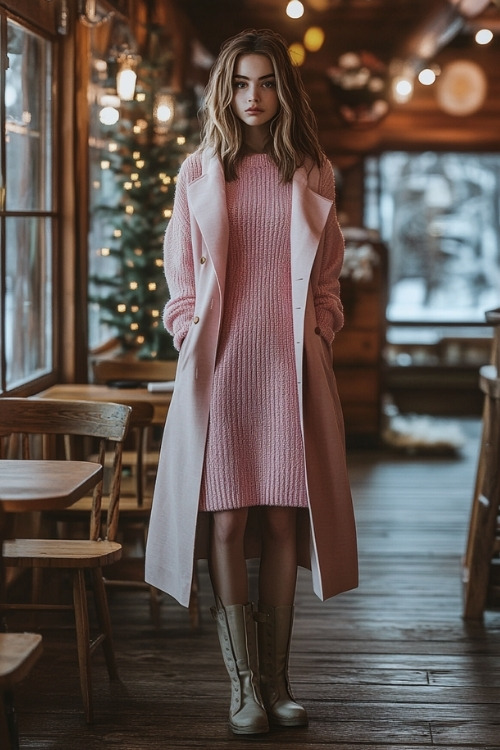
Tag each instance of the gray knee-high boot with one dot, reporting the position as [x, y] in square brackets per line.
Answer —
[274, 628]
[236, 630]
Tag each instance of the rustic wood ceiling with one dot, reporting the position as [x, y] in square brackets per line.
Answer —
[389, 29]
[381, 26]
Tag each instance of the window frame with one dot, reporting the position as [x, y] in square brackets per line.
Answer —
[50, 214]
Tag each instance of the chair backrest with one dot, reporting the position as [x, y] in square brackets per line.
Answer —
[107, 423]
[140, 371]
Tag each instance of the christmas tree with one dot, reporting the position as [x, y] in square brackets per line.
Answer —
[141, 156]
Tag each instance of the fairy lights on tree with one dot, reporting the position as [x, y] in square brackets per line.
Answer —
[141, 155]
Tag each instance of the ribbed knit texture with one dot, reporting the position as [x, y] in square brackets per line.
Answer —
[254, 453]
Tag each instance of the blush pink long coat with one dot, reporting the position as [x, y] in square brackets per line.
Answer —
[178, 534]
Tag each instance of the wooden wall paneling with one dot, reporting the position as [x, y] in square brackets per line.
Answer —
[73, 197]
[39, 13]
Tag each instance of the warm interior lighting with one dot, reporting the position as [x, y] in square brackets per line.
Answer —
[427, 77]
[295, 9]
[163, 112]
[297, 53]
[402, 89]
[484, 36]
[314, 38]
[109, 115]
[125, 83]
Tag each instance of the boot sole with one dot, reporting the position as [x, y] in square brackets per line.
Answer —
[247, 732]
[288, 722]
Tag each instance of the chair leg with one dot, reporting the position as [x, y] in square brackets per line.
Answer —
[104, 619]
[5, 735]
[83, 640]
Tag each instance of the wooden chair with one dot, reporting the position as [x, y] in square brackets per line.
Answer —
[18, 653]
[134, 372]
[135, 510]
[22, 419]
[481, 569]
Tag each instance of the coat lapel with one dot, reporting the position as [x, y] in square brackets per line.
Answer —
[309, 215]
[207, 201]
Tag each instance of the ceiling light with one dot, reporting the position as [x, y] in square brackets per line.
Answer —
[297, 53]
[125, 83]
[109, 115]
[427, 77]
[484, 36]
[402, 89]
[295, 9]
[314, 38]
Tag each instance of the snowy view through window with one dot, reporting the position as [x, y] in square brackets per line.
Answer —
[438, 213]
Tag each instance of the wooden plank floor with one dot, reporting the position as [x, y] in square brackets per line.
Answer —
[389, 666]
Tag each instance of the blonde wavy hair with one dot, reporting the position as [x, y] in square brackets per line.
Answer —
[293, 131]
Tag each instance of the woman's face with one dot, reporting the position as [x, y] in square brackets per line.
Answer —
[255, 99]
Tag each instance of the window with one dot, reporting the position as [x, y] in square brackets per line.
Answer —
[26, 209]
[438, 214]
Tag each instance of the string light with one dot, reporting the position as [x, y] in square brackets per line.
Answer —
[314, 38]
[297, 53]
[163, 111]
[121, 307]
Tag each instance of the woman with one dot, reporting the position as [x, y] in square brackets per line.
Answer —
[253, 460]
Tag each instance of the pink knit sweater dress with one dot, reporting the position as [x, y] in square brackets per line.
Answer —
[254, 451]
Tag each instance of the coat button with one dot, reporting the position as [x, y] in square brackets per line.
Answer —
[317, 330]
[196, 319]
[203, 260]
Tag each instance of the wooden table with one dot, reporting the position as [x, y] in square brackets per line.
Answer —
[94, 392]
[27, 485]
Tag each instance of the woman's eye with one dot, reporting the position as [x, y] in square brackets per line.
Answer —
[269, 85]
[239, 84]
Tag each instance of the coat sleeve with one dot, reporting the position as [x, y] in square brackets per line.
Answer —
[326, 290]
[178, 264]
